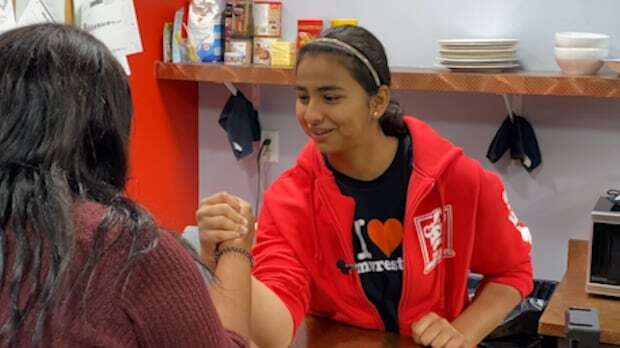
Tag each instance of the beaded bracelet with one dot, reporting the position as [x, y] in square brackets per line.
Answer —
[232, 249]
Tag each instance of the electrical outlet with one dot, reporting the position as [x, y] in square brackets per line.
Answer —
[271, 151]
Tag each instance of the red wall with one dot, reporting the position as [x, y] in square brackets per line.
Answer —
[164, 144]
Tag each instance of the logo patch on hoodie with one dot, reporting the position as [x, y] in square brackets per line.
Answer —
[435, 236]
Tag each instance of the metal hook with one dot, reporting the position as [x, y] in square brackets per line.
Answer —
[231, 88]
[511, 113]
[256, 96]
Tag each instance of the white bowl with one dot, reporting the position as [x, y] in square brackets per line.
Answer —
[583, 40]
[581, 53]
[613, 64]
[580, 61]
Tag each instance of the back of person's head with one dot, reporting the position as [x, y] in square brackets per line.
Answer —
[65, 118]
[368, 47]
[65, 105]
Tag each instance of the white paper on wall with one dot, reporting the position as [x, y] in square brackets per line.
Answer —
[121, 14]
[7, 15]
[105, 21]
[133, 31]
[77, 7]
[57, 9]
[124, 62]
[36, 11]
[114, 22]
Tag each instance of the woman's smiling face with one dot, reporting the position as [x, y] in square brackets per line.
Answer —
[332, 107]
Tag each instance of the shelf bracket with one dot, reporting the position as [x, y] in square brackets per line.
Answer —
[231, 88]
[254, 93]
[514, 104]
[517, 104]
[255, 96]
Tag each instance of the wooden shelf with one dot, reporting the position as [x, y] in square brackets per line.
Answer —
[253, 74]
[414, 79]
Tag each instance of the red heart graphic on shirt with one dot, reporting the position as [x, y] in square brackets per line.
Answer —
[386, 236]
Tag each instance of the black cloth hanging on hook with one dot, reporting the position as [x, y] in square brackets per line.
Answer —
[502, 141]
[527, 144]
[240, 121]
[516, 134]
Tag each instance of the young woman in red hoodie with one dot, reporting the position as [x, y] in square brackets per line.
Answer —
[380, 221]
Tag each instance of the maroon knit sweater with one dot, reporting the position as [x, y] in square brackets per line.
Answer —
[165, 302]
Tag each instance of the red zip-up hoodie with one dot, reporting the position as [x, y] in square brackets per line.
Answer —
[457, 220]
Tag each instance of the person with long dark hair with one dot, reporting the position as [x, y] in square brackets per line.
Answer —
[80, 263]
[381, 219]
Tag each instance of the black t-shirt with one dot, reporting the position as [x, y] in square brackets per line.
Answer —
[378, 231]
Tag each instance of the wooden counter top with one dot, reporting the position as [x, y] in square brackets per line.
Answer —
[319, 333]
[571, 292]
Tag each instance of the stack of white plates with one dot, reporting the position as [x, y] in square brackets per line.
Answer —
[478, 54]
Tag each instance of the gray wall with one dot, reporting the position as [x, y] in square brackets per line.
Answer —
[576, 135]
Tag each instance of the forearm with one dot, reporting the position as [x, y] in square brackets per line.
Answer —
[272, 323]
[231, 292]
[487, 311]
